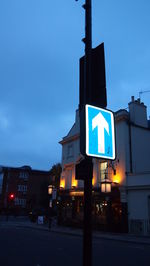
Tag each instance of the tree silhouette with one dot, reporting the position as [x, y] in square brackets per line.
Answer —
[55, 173]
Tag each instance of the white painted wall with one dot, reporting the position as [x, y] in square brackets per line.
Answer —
[122, 150]
[70, 152]
[138, 204]
[140, 149]
[141, 179]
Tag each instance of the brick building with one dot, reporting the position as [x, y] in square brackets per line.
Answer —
[28, 186]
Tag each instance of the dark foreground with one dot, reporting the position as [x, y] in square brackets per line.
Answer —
[30, 247]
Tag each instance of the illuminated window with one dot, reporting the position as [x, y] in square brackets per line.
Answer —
[103, 170]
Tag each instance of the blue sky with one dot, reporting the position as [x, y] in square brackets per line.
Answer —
[40, 49]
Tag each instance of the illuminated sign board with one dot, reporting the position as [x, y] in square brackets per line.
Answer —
[100, 132]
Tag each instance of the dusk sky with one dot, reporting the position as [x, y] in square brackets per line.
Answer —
[40, 47]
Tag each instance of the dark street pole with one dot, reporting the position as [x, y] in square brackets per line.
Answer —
[88, 47]
[87, 231]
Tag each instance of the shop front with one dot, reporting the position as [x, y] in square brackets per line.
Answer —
[107, 209]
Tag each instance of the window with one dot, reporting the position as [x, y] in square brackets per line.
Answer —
[70, 150]
[20, 202]
[22, 188]
[103, 170]
[23, 175]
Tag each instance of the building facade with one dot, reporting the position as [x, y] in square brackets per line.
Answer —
[28, 188]
[127, 206]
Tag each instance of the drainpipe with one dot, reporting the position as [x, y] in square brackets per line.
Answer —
[130, 147]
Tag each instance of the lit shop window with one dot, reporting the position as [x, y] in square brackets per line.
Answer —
[62, 183]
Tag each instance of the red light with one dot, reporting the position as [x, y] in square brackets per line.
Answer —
[11, 196]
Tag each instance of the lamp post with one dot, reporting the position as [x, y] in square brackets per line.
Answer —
[87, 232]
[87, 229]
[106, 188]
[50, 191]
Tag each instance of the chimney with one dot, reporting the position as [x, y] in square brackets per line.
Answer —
[138, 112]
[132, 98]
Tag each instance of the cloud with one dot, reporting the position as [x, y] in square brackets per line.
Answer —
[39, 72]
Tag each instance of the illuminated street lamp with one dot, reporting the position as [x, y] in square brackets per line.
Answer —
[50, 190]
[106, 186]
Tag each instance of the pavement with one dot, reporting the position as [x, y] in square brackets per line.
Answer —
[25, 223]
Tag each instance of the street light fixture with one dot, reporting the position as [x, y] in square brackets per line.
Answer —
[50, 189]
[106, 185]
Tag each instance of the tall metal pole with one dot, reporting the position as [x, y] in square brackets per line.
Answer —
[88, 46]
[87, 231]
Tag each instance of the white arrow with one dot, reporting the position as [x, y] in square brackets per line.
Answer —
[100, 122]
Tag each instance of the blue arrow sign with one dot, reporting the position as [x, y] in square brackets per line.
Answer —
[100, 133]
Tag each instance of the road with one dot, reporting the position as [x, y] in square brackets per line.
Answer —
[31, 247]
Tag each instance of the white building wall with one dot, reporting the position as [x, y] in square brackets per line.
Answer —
[138, 186]
[122, 150]
[140, 149]
[141, 179]
[70, 152]
[138, 204]
[68, 178]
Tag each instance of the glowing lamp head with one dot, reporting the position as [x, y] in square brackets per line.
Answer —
[106, 186]
[50, 189]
